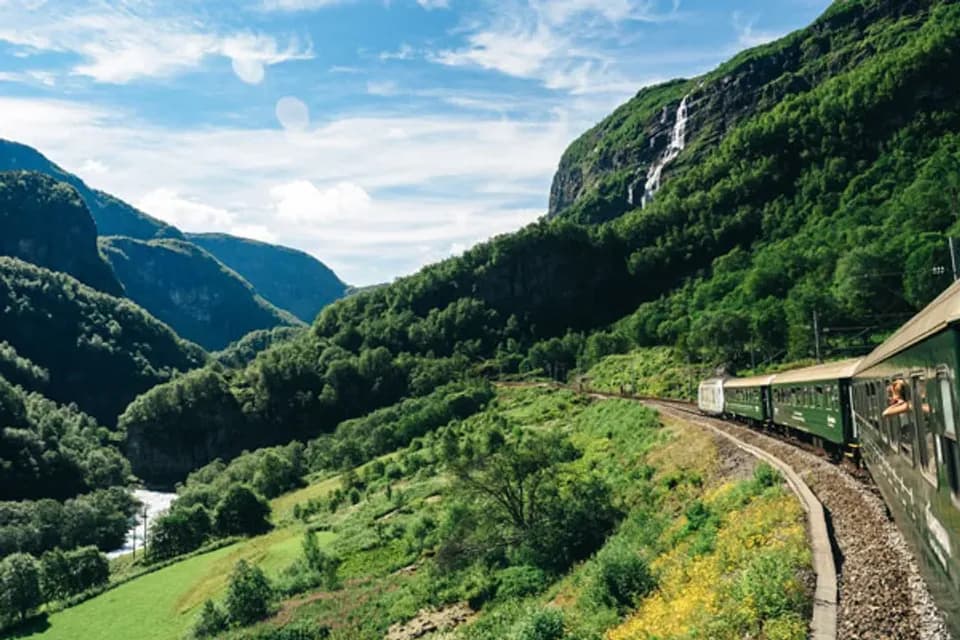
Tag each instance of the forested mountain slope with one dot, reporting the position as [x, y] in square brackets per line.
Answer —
[189, 289]
[113, 216]
[75, 344]
[290, 279]
[818, 172]
[45, 222]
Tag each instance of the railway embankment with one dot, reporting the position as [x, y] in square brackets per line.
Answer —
[880, 592]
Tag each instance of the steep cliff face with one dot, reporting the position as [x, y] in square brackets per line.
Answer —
[190, 290]
[45, 222]
[605, 166]
[289, 279]
[114, 217]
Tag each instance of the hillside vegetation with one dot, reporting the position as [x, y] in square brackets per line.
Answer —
[75, 344]
[45, 222]
[289, 279]
[190, 290]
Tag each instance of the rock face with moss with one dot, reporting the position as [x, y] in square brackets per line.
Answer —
[190, 290]
[290, 279]
[45, 222]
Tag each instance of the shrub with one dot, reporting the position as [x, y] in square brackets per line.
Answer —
[766, 476]
[180, 531]
[545, 624]
[211, 621]
[521, 581]
[241, 512]
[621, 578]
[64, 574]
[325, 564]
[249, 595]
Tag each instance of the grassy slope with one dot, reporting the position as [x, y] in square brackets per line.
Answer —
[655, 371]
[377, 537]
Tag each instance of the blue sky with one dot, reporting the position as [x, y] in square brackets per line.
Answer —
[378, 136]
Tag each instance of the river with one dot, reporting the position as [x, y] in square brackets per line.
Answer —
[156, 503]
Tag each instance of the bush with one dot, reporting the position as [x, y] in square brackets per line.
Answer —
[180, 531]
[766, 476]
[65, 574]
[521, 581]
[545, 624]
[325, 564]
[621, 578]
[249, 595]
[211, 621]
[241, 512]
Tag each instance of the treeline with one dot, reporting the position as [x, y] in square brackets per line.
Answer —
[97, 351]
[224, 499]
[100, 518]
[48, 450]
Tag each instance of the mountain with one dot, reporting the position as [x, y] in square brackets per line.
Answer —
[45, 222]
[290, 279]
[73, 343]
[189, 289]
[818, 173]
[113, 216]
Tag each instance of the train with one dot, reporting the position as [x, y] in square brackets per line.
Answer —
[896, 411]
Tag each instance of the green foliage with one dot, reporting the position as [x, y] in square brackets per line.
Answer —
[82, 337]
[179, 531]
[249, 596]
[68, 573]
[53, 451]
[621, 577]
[211, 621]
[290, 279]
[241, 512]
[45, 222]
[242, 352]
[520, 581]
[318, 560]
[99, 518]
[545, 624]
[174, 280]
[19, 586]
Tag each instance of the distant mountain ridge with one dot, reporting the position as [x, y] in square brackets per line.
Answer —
[274, 285]
[189, 289]
[288, 278]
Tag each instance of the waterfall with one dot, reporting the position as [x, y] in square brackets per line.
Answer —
[677, 142]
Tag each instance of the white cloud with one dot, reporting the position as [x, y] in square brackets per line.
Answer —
[566, 45]
[92, 167]
[119, 44]
[747, 36]
[382, 88]
[405, 52]
[300, 202]
[188, 215]
[434, 4]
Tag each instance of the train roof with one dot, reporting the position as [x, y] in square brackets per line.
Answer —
[829, 371]
[752, 381]
[935, 317]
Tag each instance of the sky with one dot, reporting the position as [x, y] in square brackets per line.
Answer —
[379, 135]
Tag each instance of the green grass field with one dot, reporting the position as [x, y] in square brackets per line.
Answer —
[162, 605]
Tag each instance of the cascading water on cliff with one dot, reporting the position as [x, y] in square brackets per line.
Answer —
[677, 142]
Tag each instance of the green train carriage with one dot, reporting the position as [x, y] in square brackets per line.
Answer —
[905, 404]
[816, 401]
[748, 398]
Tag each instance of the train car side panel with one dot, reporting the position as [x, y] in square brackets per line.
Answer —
[914, 456]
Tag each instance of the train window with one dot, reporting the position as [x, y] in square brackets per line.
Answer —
[946, 396]
[926, 430]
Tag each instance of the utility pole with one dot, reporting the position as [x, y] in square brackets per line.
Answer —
[816, 335]
[953, 258]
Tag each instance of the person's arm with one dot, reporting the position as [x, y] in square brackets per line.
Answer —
[898, 407]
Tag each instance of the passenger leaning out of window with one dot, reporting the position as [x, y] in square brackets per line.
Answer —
[897, 400]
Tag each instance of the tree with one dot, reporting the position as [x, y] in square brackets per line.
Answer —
[20, 585]
[211, 621]
[320, 561]
[241, 512]
[179, 531]
[249, 595]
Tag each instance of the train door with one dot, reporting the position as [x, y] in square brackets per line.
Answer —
[947, 411]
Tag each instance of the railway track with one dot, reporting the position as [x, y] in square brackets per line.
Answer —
[878, 591]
